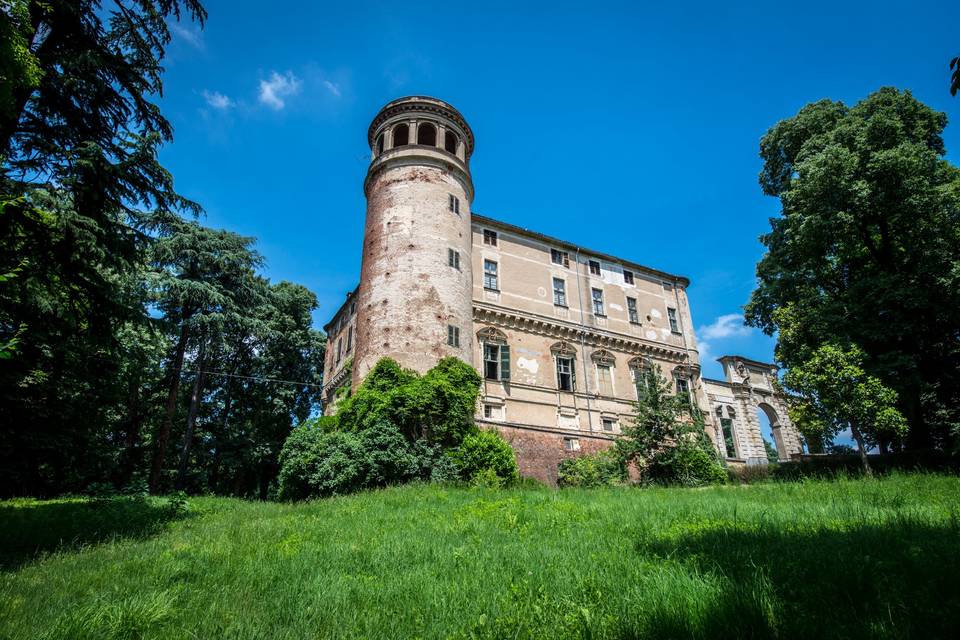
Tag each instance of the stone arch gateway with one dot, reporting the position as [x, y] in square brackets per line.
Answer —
[749, 388]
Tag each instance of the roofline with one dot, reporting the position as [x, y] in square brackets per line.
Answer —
[756, 363]
[722, 383]
[681, 280]
[350, 296]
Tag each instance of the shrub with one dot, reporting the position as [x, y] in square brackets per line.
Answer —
[601, 469]
[318, 463]
[689, 463]
[486, 453]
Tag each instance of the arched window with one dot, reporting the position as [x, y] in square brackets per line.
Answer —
[563, 355]
[379, 146]
[427, 135]
[496, 354]
[401, 135]
[450, 142]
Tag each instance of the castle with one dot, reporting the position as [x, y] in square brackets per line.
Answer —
[557, 331]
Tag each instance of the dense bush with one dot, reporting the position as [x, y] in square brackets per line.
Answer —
[690, 463]
[397, 427]
[601, 469]
[486, 453]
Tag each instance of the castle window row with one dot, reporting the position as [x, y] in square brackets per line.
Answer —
[491, 282]
[427, 135]
[495, 352]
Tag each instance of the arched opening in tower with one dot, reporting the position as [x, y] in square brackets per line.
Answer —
[450, 142]
[401, 135]
[427, 135]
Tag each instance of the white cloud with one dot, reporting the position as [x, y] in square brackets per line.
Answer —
[217, 100]
[192, 36]
[332, 87]
[726, 326]
[277, 87]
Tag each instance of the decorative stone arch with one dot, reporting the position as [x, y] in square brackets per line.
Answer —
[602, 356]
[785, 441]
[492, 335]
[427, 134]
[563, 348]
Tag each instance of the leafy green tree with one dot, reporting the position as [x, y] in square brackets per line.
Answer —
[667, 439]
[772, 454]
[866, 249]
[832, 392]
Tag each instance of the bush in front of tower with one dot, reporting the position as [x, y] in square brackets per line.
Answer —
[397, 427]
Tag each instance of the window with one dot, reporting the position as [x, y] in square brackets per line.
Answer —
[597, 302]
[594, 268]
[672, 317]
[490, 279]
[453, 336]
[559, 292]
[632, 310]
[490, 237]
[496, 361]
[643, 380]
[683, 386]
[604, 380]
[379, 144]
[426, 134]
[450, 141]
[453, 258]
[566, 380]
[349, 338]
[492, 412]
[726, 424]
[609, 424]
[559, 257]
[339, 349]
[353, 308]
[401, 135]
[571, 444]
[628, 276]
[454, 204]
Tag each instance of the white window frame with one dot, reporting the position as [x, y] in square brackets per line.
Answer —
[570, 363]
[561, 300]
[633, 315]
[672, 319]
[597, 302]
[628, 277]
[453, 336]
[590, 265]
[491, 275]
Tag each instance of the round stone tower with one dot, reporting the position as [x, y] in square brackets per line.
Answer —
[416, 278]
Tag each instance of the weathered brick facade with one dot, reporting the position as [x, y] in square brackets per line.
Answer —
[558, 331]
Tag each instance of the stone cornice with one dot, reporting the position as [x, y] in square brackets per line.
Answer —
[571, 332]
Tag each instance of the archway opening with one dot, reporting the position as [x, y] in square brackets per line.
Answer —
[401, 135]
[427, 135]
[771, 434]
[450, 141]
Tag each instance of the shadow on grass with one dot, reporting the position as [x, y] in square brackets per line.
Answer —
[896, 580]
[30, 529]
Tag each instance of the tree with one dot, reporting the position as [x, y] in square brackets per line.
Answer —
[81, 185]
[832, 392]
[204, 280]
[667, 439]
[866, 249]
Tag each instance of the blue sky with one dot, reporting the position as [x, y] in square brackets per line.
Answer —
[628, 129]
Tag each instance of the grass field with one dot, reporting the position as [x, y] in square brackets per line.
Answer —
[842, 559]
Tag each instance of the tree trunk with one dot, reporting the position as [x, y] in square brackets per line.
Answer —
[863, 450]
[163, 435]
[191, 417]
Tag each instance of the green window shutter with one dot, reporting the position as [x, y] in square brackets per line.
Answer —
[573, 374]
[504, 362]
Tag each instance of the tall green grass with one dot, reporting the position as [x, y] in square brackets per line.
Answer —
[842, 559]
